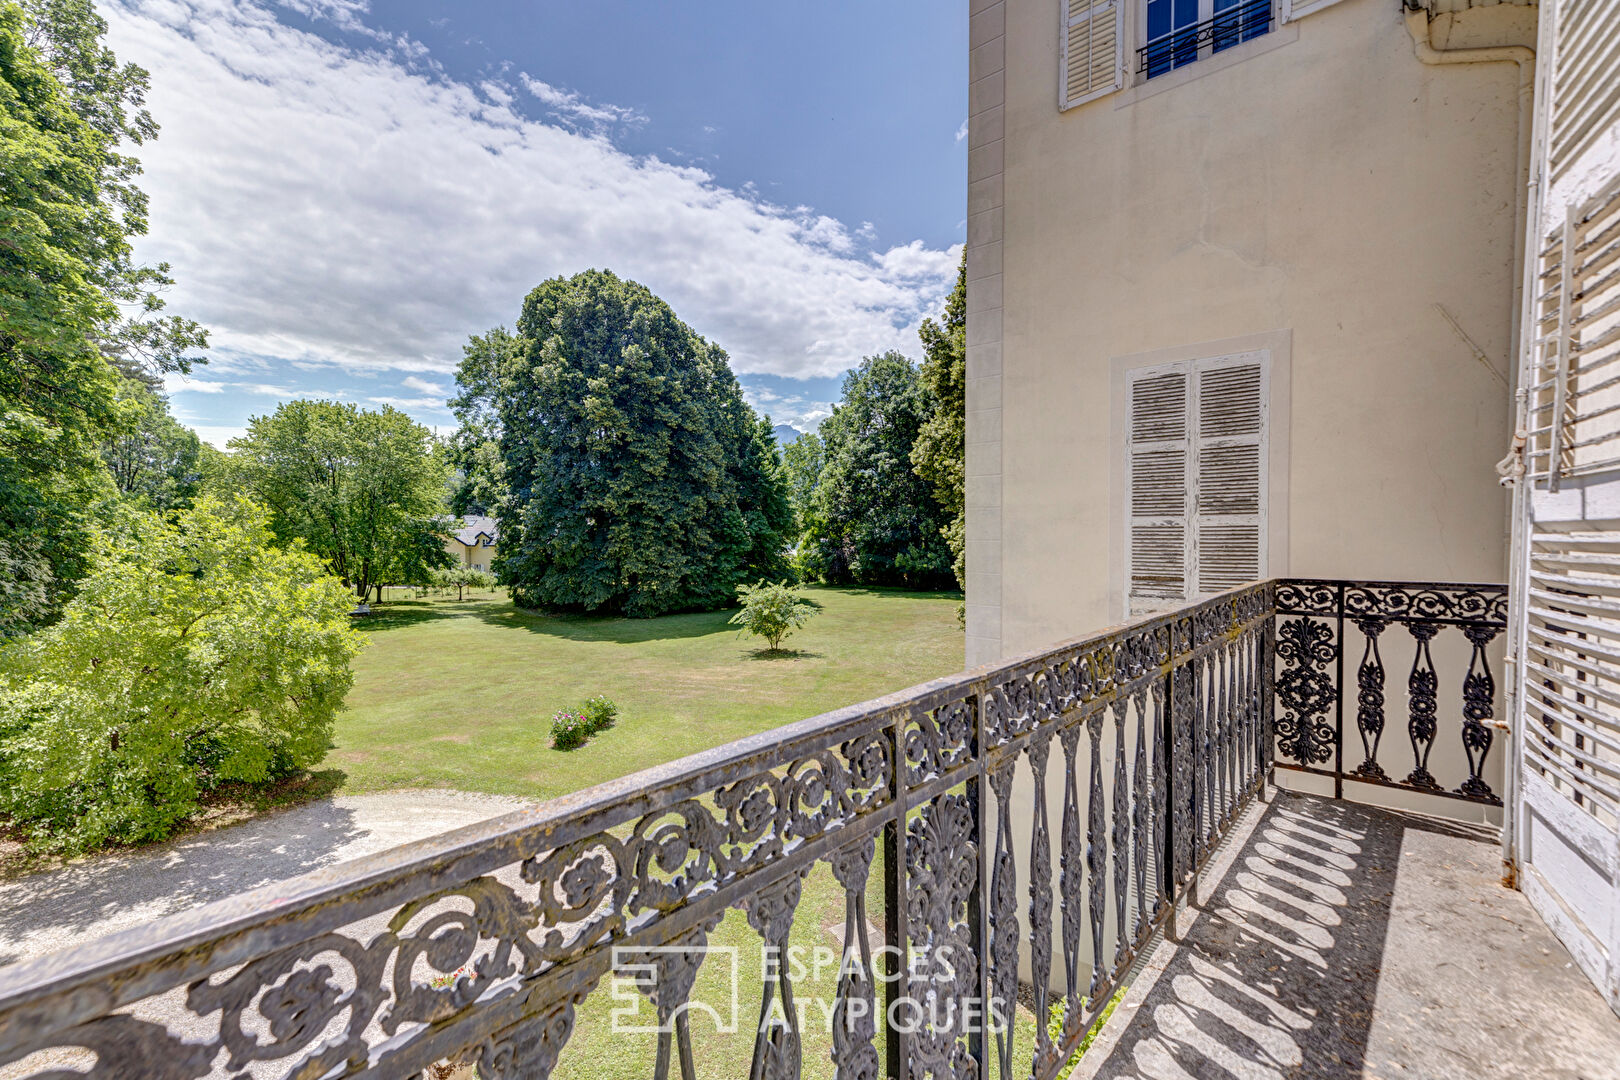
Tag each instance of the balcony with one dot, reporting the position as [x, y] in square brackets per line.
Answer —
[1087, 826]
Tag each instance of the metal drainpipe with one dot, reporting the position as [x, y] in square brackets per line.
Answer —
[1417, 25]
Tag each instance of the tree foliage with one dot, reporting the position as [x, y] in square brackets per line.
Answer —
[772, 611]
[152, 457]
[71, 292]
[939, 453]
[196, 652]
[478, 483]
[638, 479]
[873, 520]
[363, 490]
[802, 461]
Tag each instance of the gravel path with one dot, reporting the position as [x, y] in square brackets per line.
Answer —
[58, 909]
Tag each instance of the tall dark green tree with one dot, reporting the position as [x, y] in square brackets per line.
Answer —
[939, 453]
[873, 520]
[363, 490]
[71, 292]
[638, 479]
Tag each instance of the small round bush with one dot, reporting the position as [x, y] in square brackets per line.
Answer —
[599, 713]
[568, 730]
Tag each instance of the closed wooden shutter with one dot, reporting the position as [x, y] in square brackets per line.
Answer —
[1093, 50]
[1196, 478]
[1229, 525]
[1585, 91]
[1160, 488]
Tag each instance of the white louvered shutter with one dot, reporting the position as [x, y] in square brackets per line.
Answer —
[1093, 50]
[1289, 10]
[1196, 454]
[1160, 493]
[1229, 522]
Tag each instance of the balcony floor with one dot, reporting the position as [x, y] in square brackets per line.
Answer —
[1338, 940]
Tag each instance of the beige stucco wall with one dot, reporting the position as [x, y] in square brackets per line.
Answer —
[1328, 187]
[467, 555]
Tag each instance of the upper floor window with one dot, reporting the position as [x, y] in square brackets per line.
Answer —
[1179, 32]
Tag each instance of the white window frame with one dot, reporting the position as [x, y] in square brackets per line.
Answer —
[1277, 345]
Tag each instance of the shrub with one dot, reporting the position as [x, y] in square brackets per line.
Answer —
[569, 730]
[772, 611]
[599, 713]
[195, 654]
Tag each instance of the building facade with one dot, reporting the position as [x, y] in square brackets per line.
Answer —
[1242, 299]
[473, 544]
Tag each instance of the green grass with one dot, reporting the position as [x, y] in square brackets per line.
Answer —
[460, 694]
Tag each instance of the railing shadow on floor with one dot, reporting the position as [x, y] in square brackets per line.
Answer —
[1278, 974]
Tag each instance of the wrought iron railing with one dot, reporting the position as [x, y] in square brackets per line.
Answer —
[1154, 733]
[1238, 23]
[1313, 695]
[1126, 754]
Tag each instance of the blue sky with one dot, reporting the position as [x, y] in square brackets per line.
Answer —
[346, 190]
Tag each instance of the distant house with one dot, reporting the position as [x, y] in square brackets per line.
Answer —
[474, 543]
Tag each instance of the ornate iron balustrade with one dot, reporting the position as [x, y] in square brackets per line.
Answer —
[1155, 734]
[1313, 618]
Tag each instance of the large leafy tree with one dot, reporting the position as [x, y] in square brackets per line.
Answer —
[478, 480]
[363, 490]
[195, 653]
[638, 479]
[71, 293]
[873, 520]
[802, 460]
[152, 457]
[938, 454]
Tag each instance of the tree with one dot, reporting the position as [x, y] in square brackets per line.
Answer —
[478, 484]
[363, 490]
[152, 457]
[638, 479]
[939, 453]
[772, 611]
[69, 207]
[196, 652]
[873, 520]
[802, 461]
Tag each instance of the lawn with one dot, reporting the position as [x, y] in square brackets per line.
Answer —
[460, 694]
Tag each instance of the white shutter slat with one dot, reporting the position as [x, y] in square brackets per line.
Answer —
[1160, 489]
[1229, 555]
[1092, 45]
[1230, 512]
[1159, 561]
[1229, 480]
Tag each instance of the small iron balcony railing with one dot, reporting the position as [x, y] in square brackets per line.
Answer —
[1135, 749]
[1239, 23]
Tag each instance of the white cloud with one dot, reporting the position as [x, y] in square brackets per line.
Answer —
[426, 386]
[412, 404]
[217, 435]
[962, 132]
[330, 206]
[570, 106]
[176, 383]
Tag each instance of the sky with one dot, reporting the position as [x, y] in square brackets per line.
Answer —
[346, 190]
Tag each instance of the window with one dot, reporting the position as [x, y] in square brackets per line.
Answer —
[1178, 32]
[1196, 478]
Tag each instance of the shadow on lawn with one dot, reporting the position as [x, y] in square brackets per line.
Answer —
[615, 628]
